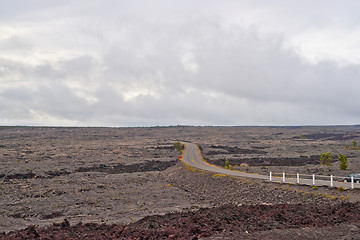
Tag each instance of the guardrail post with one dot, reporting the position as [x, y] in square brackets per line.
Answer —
[331, 181]
[352, 182]
[314, 179]
[283, 178]
[297, 178]
[270, 177]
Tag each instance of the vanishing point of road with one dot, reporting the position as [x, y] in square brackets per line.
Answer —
[192, 156]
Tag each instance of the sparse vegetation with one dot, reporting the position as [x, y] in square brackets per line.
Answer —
[178, 146]
[343, 198]
[354, 146]
[227, 164]
[343, 162]
[326, 159]
[116, 188]
[219, 175]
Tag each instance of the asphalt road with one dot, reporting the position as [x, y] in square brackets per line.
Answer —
[193, 157]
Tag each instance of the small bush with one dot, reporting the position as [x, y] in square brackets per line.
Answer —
[227, 164]
[343, 162]
[354, 143]
[178, 146]
[326, 159]
[343, 198]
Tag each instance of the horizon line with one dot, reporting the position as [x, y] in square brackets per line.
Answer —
[180, 125]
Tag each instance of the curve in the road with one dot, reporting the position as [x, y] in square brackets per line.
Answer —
[192, 156]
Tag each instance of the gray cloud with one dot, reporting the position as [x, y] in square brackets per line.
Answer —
[130, 70]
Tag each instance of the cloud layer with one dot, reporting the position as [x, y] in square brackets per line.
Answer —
[120, 65]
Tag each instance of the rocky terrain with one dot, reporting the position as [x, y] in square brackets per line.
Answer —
[226, 221]
[125, 183]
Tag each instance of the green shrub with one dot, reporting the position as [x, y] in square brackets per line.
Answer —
[343, 162]
[178, 146]
[354, 145]
[227, 164]
[326, 159]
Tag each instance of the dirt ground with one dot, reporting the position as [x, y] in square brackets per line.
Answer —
[121, 175]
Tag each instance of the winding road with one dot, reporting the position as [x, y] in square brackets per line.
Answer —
[193, 157]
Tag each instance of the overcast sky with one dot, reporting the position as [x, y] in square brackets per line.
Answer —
[206, 62]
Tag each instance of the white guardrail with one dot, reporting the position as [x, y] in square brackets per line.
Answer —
[325, 180]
